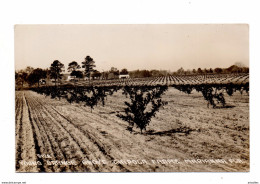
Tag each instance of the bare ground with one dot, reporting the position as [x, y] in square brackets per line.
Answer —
[185, 130]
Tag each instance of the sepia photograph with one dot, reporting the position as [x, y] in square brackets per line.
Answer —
[131, 98]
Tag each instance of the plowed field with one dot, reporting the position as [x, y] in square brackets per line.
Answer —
[55, 136]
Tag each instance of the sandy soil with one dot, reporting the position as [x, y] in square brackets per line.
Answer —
[183, 136]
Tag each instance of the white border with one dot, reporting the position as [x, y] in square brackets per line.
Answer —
[127, 12]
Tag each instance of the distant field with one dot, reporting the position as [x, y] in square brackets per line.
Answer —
[236, 78]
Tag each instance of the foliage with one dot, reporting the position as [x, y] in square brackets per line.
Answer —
[56, 69]
[124, 71]
[137, 112]
[89, 65]
[96, 74]
[36, 75]
[214, 92]
[77, 74]
[218, 70]
[210, 94]
[90, 95]
[21, 77]
[73, 66]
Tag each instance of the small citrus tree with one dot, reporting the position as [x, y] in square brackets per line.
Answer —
[138, 111]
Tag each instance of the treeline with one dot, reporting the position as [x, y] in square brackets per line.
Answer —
[181, 71]
[236, 68]
[114, 73]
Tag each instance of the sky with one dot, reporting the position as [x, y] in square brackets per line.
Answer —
[136, 46]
